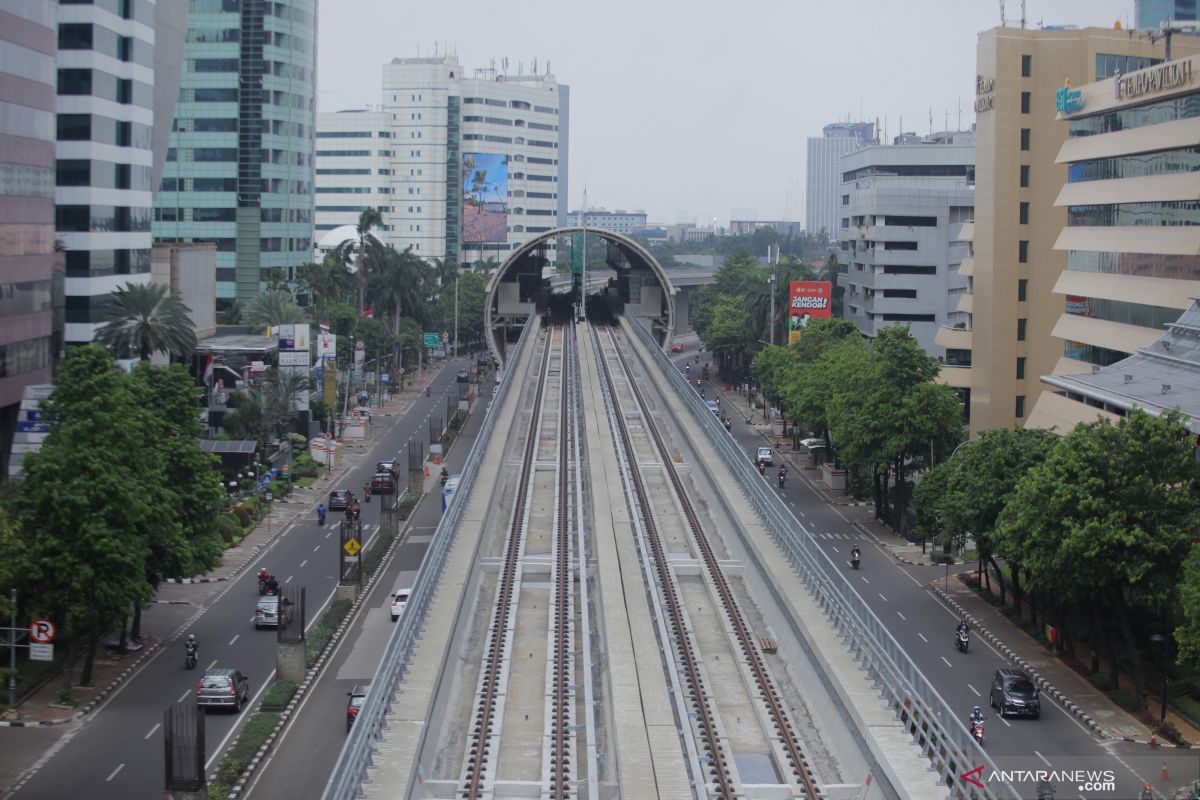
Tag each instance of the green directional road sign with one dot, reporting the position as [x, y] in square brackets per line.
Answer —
[431, 339]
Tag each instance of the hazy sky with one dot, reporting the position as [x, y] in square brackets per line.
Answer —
[694, 110]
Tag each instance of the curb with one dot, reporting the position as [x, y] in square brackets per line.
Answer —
[314, 672]
[95, 701]
[1042, 683]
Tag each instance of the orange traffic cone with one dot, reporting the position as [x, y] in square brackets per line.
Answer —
[1153, 742]
[426, 470]
[1165, 777]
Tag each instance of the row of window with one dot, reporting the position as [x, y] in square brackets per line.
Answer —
[1160, 214]
[97, 83]
[89, 36]
[102, 174]
[1127, 313]
[229, 214]
[1163, 163]
[101, 263]
[138, 10]
[19, 358]
[22, 180]
[1142, 265]
[344, 134]
[25, 121]
[19, 299]
[199, 184]
[1186, 107]
[274, 244]
[101, 218]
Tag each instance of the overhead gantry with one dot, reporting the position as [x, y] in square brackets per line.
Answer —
[627, 281]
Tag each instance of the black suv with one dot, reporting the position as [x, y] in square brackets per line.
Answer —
[1014, 693]
[463, 377]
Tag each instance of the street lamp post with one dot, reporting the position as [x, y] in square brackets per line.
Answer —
[1162, 643]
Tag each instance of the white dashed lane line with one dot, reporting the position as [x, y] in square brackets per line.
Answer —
[157, 725]
[944, 661]
[973, 689]
[114, 772]
[864, 577]
[302, 563]
[901, 616]
[881, 597]
[318, 547]
[183, 696]
[289, 580]
[923, 639]
[234, 639]
[1043, 758]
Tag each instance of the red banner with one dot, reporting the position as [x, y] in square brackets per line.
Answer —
[808, 299]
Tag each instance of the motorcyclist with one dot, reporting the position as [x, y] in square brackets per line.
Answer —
[976, 718]
[265, 576]
[272, 585]
[353, 510]
[445, 476]
[855, 553]
[192, 646]
[762, 467]
[428, 389]
[321, 513]
[687, 368]
[962, 627]
[367, 491]
[782, 475]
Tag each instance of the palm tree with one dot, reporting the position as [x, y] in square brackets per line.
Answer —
[325, 282]
[272, 307]
[401, 284]
[364, 251]
[144, 318]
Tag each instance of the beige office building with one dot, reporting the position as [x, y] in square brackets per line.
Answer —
[1132, 248]
[1015, 268]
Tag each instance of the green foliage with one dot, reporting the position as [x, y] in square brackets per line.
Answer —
[1187, 635]
[237, 758]
[471, 288]
[144, 318]
[279, 694]
[375, 335]
[272, 307]
[321, 632]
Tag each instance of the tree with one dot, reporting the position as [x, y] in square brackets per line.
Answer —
[471, 297]
[325, 282]
[1106, 516]
[87, 508]
[272, 308]
[1187, 635]
[402, 283]
[364, 251]
[143, 318]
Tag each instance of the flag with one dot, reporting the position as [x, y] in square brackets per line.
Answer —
[370, 312]
[324, 327]
[208, 371]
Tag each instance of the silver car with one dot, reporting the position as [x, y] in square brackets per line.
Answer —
[223, 688]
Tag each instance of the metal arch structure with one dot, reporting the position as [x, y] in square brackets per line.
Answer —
[517, 289]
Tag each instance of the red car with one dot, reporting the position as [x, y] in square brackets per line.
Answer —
[358, 696]
[676, 348]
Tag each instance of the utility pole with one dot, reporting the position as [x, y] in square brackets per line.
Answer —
[773, 260]
[456, 313]
[583, 244]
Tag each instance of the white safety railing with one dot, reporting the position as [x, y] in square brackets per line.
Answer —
[918, 706]
[350, 771]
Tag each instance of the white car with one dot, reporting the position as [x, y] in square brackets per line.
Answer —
[765, 455]
[398, 601]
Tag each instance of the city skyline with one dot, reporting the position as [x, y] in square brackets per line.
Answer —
[669, 64]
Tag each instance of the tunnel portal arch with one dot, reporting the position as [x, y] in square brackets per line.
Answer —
[629, 281]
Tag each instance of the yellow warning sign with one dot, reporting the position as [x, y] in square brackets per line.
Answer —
[352, 547]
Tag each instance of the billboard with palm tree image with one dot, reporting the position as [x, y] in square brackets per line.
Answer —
[485, 197]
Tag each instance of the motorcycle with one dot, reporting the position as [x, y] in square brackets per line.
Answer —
[762, 468]
[781, 479]
[321, 517]
[961, 640]
[367, 493]
[977, 732]
[262, 585]
[427, 390]
[855, 558]
[189, 660]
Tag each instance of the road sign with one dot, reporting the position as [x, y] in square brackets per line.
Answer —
[42, 631]
[352, 547]
[41, 652]
[360, 345]
[430, 339]
[401, 371]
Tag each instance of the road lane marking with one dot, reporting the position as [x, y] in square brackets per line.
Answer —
[326, 536]
[901, 616]
[114, 772]
[864, 577]
[801, 513]
[881, 597]
[1043, 758]
[1006, 722]
[157, 725]
[210, 666]
[973, 689]
[183, 696]
[289, 580]
[302, 563]
[947, 663]
[836, 550]
[234, 639]
[923, 639]
[318, 547]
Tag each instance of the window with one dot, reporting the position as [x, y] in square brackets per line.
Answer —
[1026, 66]
[75, 36]
[1024, 213]
[216, 95]
[215, 125]
[1026, 101]
[1024, 176]
[1022, 290]
[1024, 138]
[74, 81]
[1020, 406]
[1023, 251]
[1020, 369]
[845, 199]
[1021, 325]
[74, 172]
[74, 127]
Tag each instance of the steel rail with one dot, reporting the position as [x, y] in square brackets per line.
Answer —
[560, 766]
[766, 689]
[478, 750]
[691, 663]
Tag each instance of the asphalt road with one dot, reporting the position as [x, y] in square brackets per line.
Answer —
[924, 627]
[304, 757]
[118, 753]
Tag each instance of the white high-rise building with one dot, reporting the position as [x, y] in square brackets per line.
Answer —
[824, 177]
[905, 203]
[497, 139]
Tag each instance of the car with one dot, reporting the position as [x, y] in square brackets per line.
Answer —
[676, 348]
[483, 360]
[383, 483]
[358, 696]
[463, 377]
[223, 687]
[1014, 693]
[714, 407]
[766, 455]
[399, 599]
[339, 499]
[271, 611]
[391, 465]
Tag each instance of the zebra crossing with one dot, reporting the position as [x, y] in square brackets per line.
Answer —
[843, 536]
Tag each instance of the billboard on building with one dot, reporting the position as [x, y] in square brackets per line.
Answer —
[485, 198]
[808, 299]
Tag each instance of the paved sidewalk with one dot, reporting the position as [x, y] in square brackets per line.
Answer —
[177, 603]
[1062, 683]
